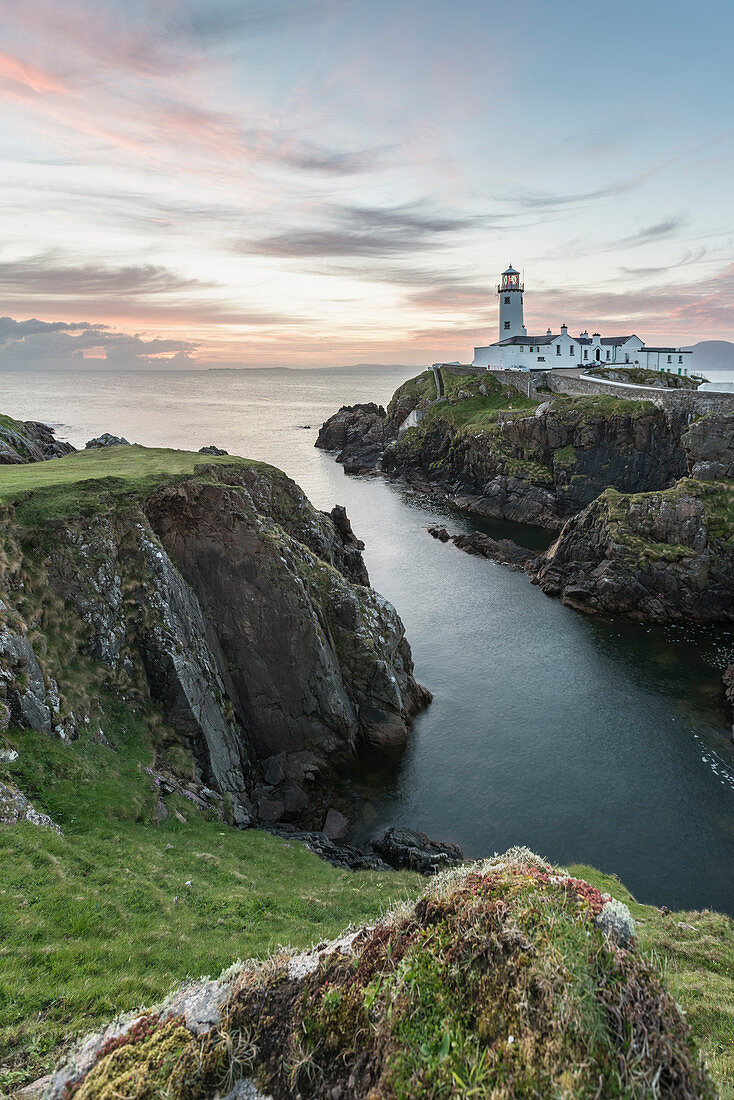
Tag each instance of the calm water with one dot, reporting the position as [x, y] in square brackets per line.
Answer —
[586, 740]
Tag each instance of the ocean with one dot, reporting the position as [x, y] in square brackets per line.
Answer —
[592, 741]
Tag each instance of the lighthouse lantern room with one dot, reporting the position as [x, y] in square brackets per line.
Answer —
[510, 291]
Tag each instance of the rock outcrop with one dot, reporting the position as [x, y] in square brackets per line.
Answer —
[504, 551]
[665, 557]
[29, 441]
[106, 440]
[506, 977]
[539, 465]
[227, 602]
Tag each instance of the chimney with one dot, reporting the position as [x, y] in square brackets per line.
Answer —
[564, 330]
[549, 333]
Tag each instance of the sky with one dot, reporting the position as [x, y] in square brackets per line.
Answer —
[328, 182]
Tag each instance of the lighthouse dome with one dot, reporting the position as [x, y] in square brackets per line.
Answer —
[510, 271]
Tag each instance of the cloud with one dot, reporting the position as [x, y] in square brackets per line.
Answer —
[138, 293]
[63, 344]
[221, 21]
[650, 233]
[363, 231]
[48, 274]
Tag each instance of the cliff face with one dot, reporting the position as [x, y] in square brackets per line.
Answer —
[507, 457]
[223, 600]
[666, 556]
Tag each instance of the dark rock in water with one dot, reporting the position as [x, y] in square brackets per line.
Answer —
[439, 533]
[728, 679]
[212, 450]
[412, 850]
[335, 825]
[106, 440]
[305, 427]
[504, 551]
[29, 441]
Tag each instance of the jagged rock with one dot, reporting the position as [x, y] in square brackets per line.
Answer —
[662, 556]
[504, 551]
[360, 433]
[728, 679]
[22, 683]
[439, 533]
[335, 825]
[414, 851]
[243, 613]
[15, 807]
[106, 440]
[30, 441]
[709, 445]
[212, 450]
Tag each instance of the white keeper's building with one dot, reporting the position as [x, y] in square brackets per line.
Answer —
[515, 349]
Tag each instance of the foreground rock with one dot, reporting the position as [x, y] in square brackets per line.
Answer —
[508, 974]
[412, 850]
[664, 557]
[226, 602]
[29, 441]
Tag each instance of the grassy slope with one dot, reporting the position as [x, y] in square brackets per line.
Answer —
[101, 920]
[698, 964]
[84, 482]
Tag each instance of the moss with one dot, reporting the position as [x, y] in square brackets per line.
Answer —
[578, 410]
[142, 1063]
[495, 984]
[565, 457]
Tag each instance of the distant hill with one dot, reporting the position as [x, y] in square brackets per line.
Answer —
[712, 355]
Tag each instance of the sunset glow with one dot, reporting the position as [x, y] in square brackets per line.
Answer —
[328, 182]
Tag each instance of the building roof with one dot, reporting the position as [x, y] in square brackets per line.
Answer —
[529, 340]
[617, 341]
[678, 351]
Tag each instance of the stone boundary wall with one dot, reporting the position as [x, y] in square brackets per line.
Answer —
[690, 401]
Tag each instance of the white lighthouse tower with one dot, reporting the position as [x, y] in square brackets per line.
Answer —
[510, 293]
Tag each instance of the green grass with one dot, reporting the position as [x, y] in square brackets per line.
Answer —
[420, 390]
[91, 481]
[642, 376]
[698, 968]
[581, 409]
[101, 920]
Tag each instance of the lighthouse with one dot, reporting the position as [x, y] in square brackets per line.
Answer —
[510, 292]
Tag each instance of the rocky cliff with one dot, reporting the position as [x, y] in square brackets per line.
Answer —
[212, 592]
[503, 455]
[666, 556]
[29, 441]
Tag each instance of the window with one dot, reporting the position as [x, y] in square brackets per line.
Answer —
[586, 353]
[570, 350]
[670, 358]
[609, 355]
[507, 301]
[507, 324]
[680, 358]
[558, 349]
